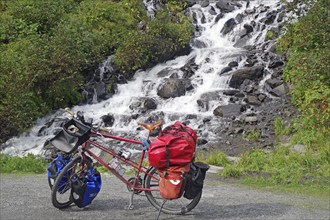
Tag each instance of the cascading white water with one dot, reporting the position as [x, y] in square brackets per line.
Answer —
[217, 51]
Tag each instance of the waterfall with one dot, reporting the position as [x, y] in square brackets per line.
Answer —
[212, 50]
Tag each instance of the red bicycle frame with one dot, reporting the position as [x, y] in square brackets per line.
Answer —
[137, 166]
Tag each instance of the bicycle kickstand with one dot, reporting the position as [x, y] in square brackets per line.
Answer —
[130, 206]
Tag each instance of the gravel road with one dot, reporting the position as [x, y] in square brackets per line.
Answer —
[28, 197]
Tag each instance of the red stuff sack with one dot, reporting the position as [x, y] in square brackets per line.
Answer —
[172, 181]
[174, 146]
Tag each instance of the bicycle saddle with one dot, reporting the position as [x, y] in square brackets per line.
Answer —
[150, 127]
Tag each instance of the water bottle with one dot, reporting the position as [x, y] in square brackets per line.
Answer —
[115, 164]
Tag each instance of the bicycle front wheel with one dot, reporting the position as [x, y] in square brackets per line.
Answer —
[175, 206]
[61, 193]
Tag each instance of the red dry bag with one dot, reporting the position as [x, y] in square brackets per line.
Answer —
[174, 146]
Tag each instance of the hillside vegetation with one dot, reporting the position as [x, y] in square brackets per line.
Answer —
[303, 163]
[47, 48]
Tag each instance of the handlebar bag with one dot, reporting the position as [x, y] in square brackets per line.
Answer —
[174, 146]
[172, 181]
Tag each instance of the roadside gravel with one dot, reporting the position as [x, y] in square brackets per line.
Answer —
[27, 196]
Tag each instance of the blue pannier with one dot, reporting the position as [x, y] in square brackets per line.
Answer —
[55, 167]
[85, 187]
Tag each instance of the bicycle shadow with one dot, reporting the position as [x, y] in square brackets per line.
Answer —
[205, 210]
[113, 204]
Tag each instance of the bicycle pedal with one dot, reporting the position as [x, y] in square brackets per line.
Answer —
[129, 207]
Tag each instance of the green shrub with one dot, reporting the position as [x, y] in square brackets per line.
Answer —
[253, 135]
[217, 158]
[231, 171]
[26, 164]
[307, 46]
[51, 47]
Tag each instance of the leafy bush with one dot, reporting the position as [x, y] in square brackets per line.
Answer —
[307, 46]
[50, 47]
[217, 158]
[26, 164]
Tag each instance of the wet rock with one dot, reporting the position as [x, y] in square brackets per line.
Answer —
[228, 110]
[219, 16]
[187, 84]
[108, 120]
[212, 11]
[280, 17]
[280, 90]
[190, 3]
[204, 4]
[253, 100]
[242, 41]
[164, 72]
[240, 75]
[233, 64]
[191, 116]
[262, 97]
[273, 82]
[225, 6]
[262, 8]
[150, 103]
[251, 119]
[174, 75]
[201, 141]
[135, 105]
[239, 95]
[239, 18]
[247, 86]
[198, 44]
[189, 69]
[172, 88]
[275, 63]
[228, 26]
[207, 119]
[230, 92]
[225, 70]
[270, 17]
[248, 28]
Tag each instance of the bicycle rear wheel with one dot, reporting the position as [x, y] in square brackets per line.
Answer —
[175, 206]
[61, 193]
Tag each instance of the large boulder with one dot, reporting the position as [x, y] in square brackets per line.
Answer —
[240, 75]
[228, 110]
[225, 6]
[228, 26]
[172, 88]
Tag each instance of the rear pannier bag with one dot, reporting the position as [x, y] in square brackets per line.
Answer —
[172, 181]
[195, 179]
[174, 146]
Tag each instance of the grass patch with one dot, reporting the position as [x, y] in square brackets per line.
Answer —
[253, 135]
[26, 164]
[216, 158]
[307, 172]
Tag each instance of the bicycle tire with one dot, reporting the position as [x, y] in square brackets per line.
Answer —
[61, 188]
[178, 206]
